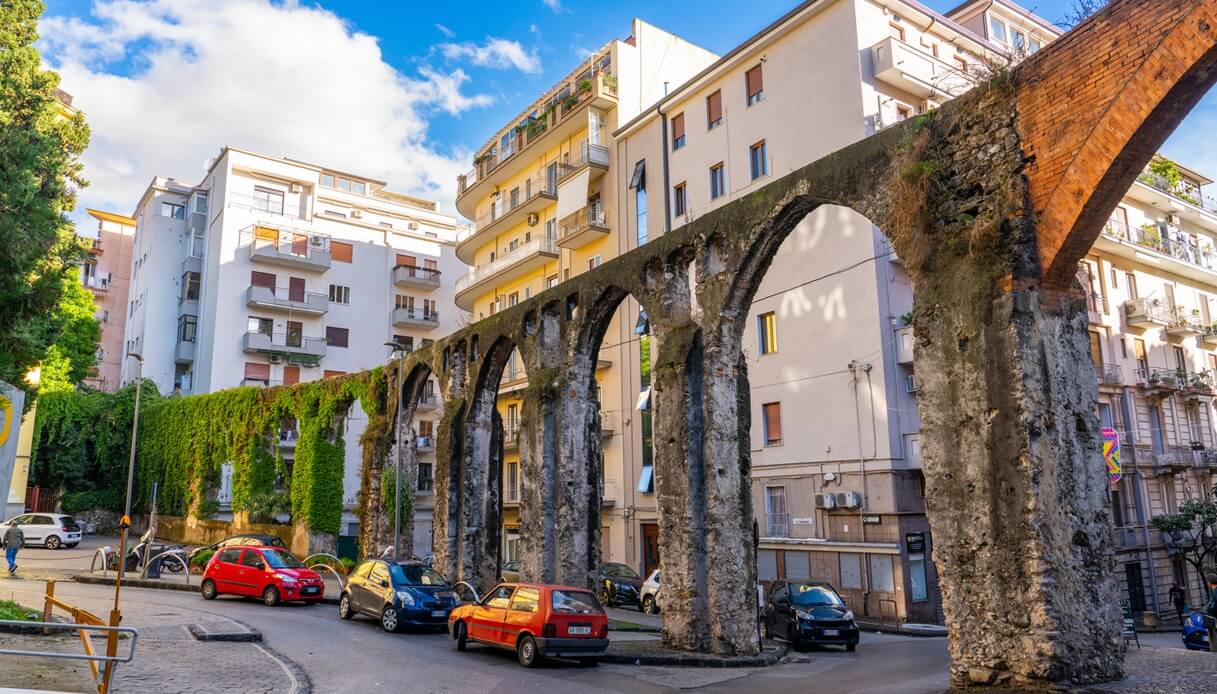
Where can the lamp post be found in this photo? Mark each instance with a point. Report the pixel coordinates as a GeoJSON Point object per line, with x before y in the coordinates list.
{"type": "Point", "coordinates": [400, 350]}
{"type": "Point", "coordinates": [126, 520]}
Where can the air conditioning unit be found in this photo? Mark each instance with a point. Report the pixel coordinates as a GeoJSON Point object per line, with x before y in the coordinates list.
{"type": "Point", "coordinates": [316, 241]}
{"type": "Point", "coordinates": [357, 214]}
{"type": "Point", "coordinates": [1174, 220]}
{"type": "Point", "coordinates": [533, 219]}
{"type": "Point", "coordinates": [276, 358]}
{"type": "Point", "coordinates": [910, 383]}
{"type": "Point", "coordinates": [297, 188]}
{"type": "Point", "coordinates": [848, 500]}
{"type": "Point", "coordinates": [412, 226]}
{"type": "Point", "coordinates": [826, 501]}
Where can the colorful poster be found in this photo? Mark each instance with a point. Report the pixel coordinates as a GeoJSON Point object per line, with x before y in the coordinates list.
{"type": "Point", "coordinates": [1111, 454]}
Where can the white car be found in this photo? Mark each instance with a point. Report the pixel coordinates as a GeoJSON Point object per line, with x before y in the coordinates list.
{"type": "Point", "coordinates": [51, 530]}
{"type": "Point", "coordinates": [649, 595]}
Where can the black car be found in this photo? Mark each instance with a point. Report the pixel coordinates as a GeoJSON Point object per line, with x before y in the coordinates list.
{"type": "Point", "coordinates": [245, 540]}
{"type": "Point", "coordinates": [398, 594]}
{"type": "Point", "coordinates": [618, 584]}
{"type": "Point", "coordinates": [809, 612]}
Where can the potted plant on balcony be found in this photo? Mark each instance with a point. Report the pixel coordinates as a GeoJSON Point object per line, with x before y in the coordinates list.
{"type": "Point", "coordinates": [585, 86]}
{"type": "Point", "coordinates": [1150, 236]}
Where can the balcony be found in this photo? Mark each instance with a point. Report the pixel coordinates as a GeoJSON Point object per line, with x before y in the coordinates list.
{"type": "Point", "coordinates": [1167, 242]}
{"type": "Point", "coordinates": [426, 486]}
{"type": "Point", "coordinates": [552, 118]}
{"type": "Point", "coordinates": [424, 444]}
{"type": "Point", "coordinates": [1109, 374]}
{"type": "Point", "coordinates": [582, 227]}
{"type": "Point", "coordinates": [1158, 379]}
{"type": "Point", "coordinates": [1196, 386]}
{"type": "Point", "coordinates": [777, 525]}
{"type": "Point", "coordinates": [411, 317]}
{"type": "Point", "coordinates": [920, 74]}
{"type": "Point", "coordinates": [183, 353]}
{"type": "Point", "coordinates": [283, 299]}
{"type": "Point", "coordinates": [1184, 323]}
{"type": "Point", "coordinates": [296, 348]}
{"type": "Point", "coordinates": [1174, 457]}
{"type": "Point", "coordinates": [1146, 313]}
{"type": "Point", "coordinates": [192, 263]}
{"type": "Point", "coordinates": [514, 377]}
{"type": "Point", "coordinates": [426, 403]}
{"type": "Point", "coordinates": [511, 438]}
{"type": "Point", "coordinates": [592, 158]}
{"type": "Point", "coordinates": [514, 264]}
{"type": "Point", "coordinates": [904, 345]}
{"type": "Point", "coordinates": [98, 283]}
{"type": "Point", "coordinates": [509, 209]}
{"type": "Point", "coordinates": [301, 250]}
{"type": "Point", "coordinates": [1183, 190]}
{"type": "Point", "coordinates": [187, 306]}
{"type": "Point", "coordinates": [414, 276]}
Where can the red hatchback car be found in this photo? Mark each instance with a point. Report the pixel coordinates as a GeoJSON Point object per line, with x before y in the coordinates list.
{"type": "Point", "coordinates": [535, 621]}
{"type": "Point", "coordinates": [269, 573]}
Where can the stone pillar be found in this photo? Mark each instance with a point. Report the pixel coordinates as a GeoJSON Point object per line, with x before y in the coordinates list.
{"type": "Point", "coordinates": [678, 434]}
{"type": "Point", "coordinates": [538, 482]}
{"type": "Point", "coordinates": [480, 475]}
{"type": "Point", "coordinates": [577, 441]}
{"type": "Point", "coordinates": [445, 522]}
{"type": "Point", "coordinates": [1016, 490]}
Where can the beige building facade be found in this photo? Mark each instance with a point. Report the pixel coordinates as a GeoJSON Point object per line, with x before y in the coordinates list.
{"type": "Point", "coordinates": [107, 273]}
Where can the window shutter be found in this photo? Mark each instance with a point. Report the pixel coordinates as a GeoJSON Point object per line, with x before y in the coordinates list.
{"type": "Point", "coordinates": [291, 375]}
{"type": "Point", "coordinates": [714, 107]}
{"type": "Point", "coordinates": [678, 127]}
{"type": "Point", "coordinates": [257, 372]}
{"type": "Point", "coordinates": [754, 81]}
{"type": "Point", "coordinates": [403, 259]}
{"type": "Point", "coordinates": [773, 421]}
{"type": "Point", "coordinates": [337, 336]}
{"type": "Point", "coordinates": [341, 251]}
{"type": "Point", "coordinates": [262, 279]}
{"type": "Point", "coordinates": [295, 289]}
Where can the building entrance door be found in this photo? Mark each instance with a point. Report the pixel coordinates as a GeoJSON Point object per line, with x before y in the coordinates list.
{"type": "Point", "coordinates": [650, 548]}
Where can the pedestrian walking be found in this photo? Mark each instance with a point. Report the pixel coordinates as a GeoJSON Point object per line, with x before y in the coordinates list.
{"type": "Point", "coordinates": [1178, 599]}
{"type": "Point", "coordinates": [13, 539]}
{"type": "Point", "coordinates": [1210, 613]}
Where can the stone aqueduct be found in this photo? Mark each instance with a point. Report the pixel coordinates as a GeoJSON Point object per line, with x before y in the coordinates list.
{"type": "Point", "coordinates": [991, 201]}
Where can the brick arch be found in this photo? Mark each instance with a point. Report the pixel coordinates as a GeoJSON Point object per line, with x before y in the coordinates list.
{"type": "Point", "coordinates": [1096, 107]}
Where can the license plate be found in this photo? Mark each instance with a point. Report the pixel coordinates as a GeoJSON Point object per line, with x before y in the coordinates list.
{"type": "Point", "coordinates": [578, 631]}
{"type": "Point", "coordinates": [438, 613]}
{"type": "Point", "coordinates": [310, 590]}
{"type": "Point", "coordinates": [832, 632]}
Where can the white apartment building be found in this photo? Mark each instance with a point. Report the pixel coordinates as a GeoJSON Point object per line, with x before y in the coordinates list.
{"type": "Point", "coordinates": [272, 271]}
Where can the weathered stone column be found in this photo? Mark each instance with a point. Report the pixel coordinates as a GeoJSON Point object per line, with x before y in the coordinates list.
{"type": "Point", "coordinates": [1016, 490]}
{"type": "Point", "coordinates": [538, 479]}
{"type": "Point", "coordinates": [480, 513]}
{"type": "Point", "coordinates": [446, 515]}
{"type": "Point", "coordinates": [680, 471]}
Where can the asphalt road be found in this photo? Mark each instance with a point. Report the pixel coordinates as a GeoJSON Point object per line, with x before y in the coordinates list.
{"type": "Point", "coordinates": [357, 656]}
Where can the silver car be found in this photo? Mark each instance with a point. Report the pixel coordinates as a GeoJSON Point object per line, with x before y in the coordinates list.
{"type": "Point", "coordinates": [51, 530]}
{"type": "Point", "coordinates": [649, 602]}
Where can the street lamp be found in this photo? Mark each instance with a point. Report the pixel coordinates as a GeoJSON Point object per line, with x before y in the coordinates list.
{"type": "Point", "coordinates": [400, 350]}
{"type": "Point", "coordinates": [126, 520]}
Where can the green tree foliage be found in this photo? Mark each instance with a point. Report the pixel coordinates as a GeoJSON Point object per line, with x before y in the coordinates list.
{"type": "Point", "coordinates": [73, 356]}
{"type": "Point", "coordinates": [1192, 531]}
{"type": "Point", "coordinates": [40, 147]}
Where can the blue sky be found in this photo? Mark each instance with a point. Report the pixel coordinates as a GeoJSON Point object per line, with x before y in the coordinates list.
{"type": "Point", "coordinates": [402, 90]}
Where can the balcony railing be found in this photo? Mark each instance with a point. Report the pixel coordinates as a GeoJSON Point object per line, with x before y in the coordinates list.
{"type": "Point", "coordinates": [1169, 242]}
{"type": "Point", "coordinates": [298, 348]}
{"type": "Point", "coordinates": [413, 275]}
{"type": "Point", "coordinates": [426, 484]}
{"type": "Point", "coordinates": [1146, 312]}
{"type": "Point", "coordinates": [282, 298]}
{"type": "Point", "coordinates": [287, 246]}
{"type": "Point", "coordinates": [1184, 191]}
{"type": "Point", "coordinates": [1159, 378]}
{"type": "Point", "coordinates": [411, 315]}
{"type": "Point", "coordinates": [494, 267]}
{"type": "Point", "coordinates": [1109, 374]}
{"type": "Point", "coordinates": [777, 524]}
{"type": "Point", "coordinates": [507, 203]}
{"type": "Point", "coordinates": [589, 218]}
{"type": "Point", "coordinates": [1184, 322]}
{"type": "Point", "coordinates": [1200, 383]}
{"type": "Point", "coordinates": [274, 207]}
{"type": "Point", "coordinates": [589, 155]}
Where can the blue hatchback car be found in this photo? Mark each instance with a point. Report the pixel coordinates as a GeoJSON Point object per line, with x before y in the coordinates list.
{"type": "Point", "coordinates": [399, 594]}
{"type": "Point", "coordinates": [1195, 636]}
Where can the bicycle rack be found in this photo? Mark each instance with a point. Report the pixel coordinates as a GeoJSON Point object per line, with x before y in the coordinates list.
{"type": "Point", "coordinates": [337, 576]}
{"type": "Point", "coordinates": [173, 553]}
{"type": "Point", "coordinates": [105, 560]}
{"type": "Point", "coordinates": [476, 597]}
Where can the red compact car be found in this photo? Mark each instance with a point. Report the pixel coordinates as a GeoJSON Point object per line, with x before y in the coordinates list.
{"type": "Point", "coordinates": [270, 573]}
{"type": "Point", "coordinates": [535, 621]}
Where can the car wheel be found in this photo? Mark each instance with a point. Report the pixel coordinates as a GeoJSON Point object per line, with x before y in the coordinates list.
{"type": "Point", "coordinates": [344, 607]}
{"type": "Point", "coordinates": [388, 619]}
{"type": "Point", "coordinates": [462, 636]}
{"type": "Point", "coordinates": [208, 590]}
{"type": "Point", "coordinates": [605, 599]}
{"type": "Point", "coordinates": [53, 542]}
{"type": "Point", "coordinates": [648, 605]}
{"type": "Point", "coordinates": [270, 596]}
{"type": "Point", "coordinates": [526, 652]}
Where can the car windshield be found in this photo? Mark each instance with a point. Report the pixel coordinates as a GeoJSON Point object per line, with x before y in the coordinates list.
{"type": "Point", "coordinates": [814, 596]}
{"type": "Point", "coordinates": [279, 559]}
{"type": "Point", "coordinates": [619, 570]}
{"type": "Point", "coordinates": [576, 602]}
{"type": "Point", "coordinates": [415, 575]}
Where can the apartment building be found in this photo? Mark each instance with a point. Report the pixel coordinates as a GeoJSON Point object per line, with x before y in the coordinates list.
{"type": "Point", "coordinates": [1151, 280]}
{"type": "Point", "coordinates": [107, 273]}
{"type": "Point", "coordinates": [272, 271]}
{"type": "Point", "coordinates": [540, 193]}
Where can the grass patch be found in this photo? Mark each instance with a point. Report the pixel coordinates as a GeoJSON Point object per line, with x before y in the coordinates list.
{"type": "Point", "coordinates": [618, 625]}
{"type": "Point", "coordinates": [12, 611]}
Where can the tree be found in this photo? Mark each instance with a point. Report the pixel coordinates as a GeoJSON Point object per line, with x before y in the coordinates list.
{"type": "Point", "coordinates": [1192, 531]}
{"type": "Point", "coordinates": [40, 170]}
{"type": "Point", "coordinates": [73, 356]}
{"type": "Point", "coordinates": [1080, 10]}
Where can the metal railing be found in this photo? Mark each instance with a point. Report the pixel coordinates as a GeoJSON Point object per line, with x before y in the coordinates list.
{"type": "Point", "coordinates": [1109, 374]}
{"type": "Point", "coordinates": [588, 154]}
{"type": "Point", "coordinates": [1159, 377]}
{"type": "Point", "coordinates": [1167, 240]}
{"type": "Point", "coordinates": [1184, 191]}
{"type": "Point", "coordinates": [249, 202]}
{"type": "Point", "coordinates": [589, 217]}
{"type": "Point", "coordinates": [1146, 309]}
{"type": "Point", "coordinates": [483, 272]}
{"type": "Point", "coordinates": [428, 274]}
{"type": "Point", "coordinates": [507, 203]}
{"type": "Point", "coordinates": [415, 313]}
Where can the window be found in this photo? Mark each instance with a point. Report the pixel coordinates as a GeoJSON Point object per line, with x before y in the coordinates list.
{"type": "Point", "coordinates": [766, 564]}
{"type": "Point", "coordinates": [593, 262]}
{"type": "Point", "coordinates": [190, 286]}
{"type": "Point", "coordinates": [997, 30]}
{"type": "Point", "coordinates": [499, 598]}
{"type": "Point", "coordinates": [917, 578]}
{"type": "Point", "coordinates": [295, 333]}
{"type": "Point", "coordinates": [1138, 348]}
{"type": "Point", "coordinates": [717, 181]}
{"type": "Point", "coordinates": [327, 180]}
{"type": "Point", "coordinates": [551, 281]}
{"type": "Point", "coordinates": [640, 209]}
{"type": "Point", "coordinates": [406, 302]}
{"type": "Point", "coordinates": [526, 600]}
{"type": "Point", "coordinates": [513, 481]}
{"type": "Point", "coordinates": [426, 480]}
{"type": "Point", "coordinates": [851, 570]}
{"type": "Point", "coordinates": [187, 328]}
{"type": "Point", "coordinates": [767, 332]}
{"type": "Point", "coordinates": [903, 113]}
{"type": "Point", "coordinates": [1019, 39]}
{"type": "Point", "coordinates": [340, 294]}
{"type": "Point", "coordinates": [961, 64]}
{"type": "Point", "coordinates": [758, 161]}
{"type": "Point", "coordinates": [680, 200]}
{"type": "Point", "coordinates": [896, 31]}
{"type": "Point", "coordinates": [341, 251]}
{"type": "Point", "coordinates": [255, 371]}
{"type": "Point", "coordinates": [268, 200]}
{"type": "Point", "coordinates": [714, 110]}
{"type": "Point", "coordinates": [1131, 280]}
{"type": "Point", "coordinates": [1033, 45]}
{"type": "Point", "coordinates": [776, 518]}
{"type": "Point", "coordinates": [1180, 360]}
{"type": "Point", "coordinates": [755, 85]}
{"type": "Point", "coordinates": [260, 325]}
{"type": "Point", "coordinates": [173, 210]}
{"type": "Point", "coordinates": [771, 418]}
{"type": "Point", "coordinates": [230, 556]}
{"type": "Point", "coordinates": [678, 131]}
{"type": "Point", "coordinates": [406, 342]}
{"type": "Point", "coordinates": [337, 337]}
{"type": "Point", "coordinates": [430, 309]}
{"type": "Point", "coordinates": [291, 375]}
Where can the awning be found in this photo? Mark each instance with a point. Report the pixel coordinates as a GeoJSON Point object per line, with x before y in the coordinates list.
{"type": "Point", "coordinates": [639, 179]}
{"type": "Point", "coordinates": [572, 194]}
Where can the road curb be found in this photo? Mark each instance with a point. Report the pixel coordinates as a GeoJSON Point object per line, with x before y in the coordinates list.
{"type": "Point", "coordinates": [201, 632]}
{"type": "Point", "coordinates": [136, 583]}
{"type": "Point", "coordinates": [773, 656]}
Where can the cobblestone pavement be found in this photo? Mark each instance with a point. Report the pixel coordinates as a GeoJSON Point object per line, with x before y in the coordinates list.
{"type": "Point", "coordinates": [1166, 671]}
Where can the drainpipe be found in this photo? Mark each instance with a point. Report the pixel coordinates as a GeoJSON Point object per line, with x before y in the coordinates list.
{"type": "Point", "coordinates": [854, 367]}
{"type": "Point", "coordinates": [667, 214]}
{"type": "Point", "coordinates": [1142, 492]}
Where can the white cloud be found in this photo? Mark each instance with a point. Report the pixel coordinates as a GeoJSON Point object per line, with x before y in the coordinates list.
{"type": "Point", "coordinates": [495, 53]}
{"type": "Point", "coordinates": [445, 30]}
{"type": "Point", "coordinates": [282, 79]}
{"type": "Point", "coordinates": [555, 5]}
